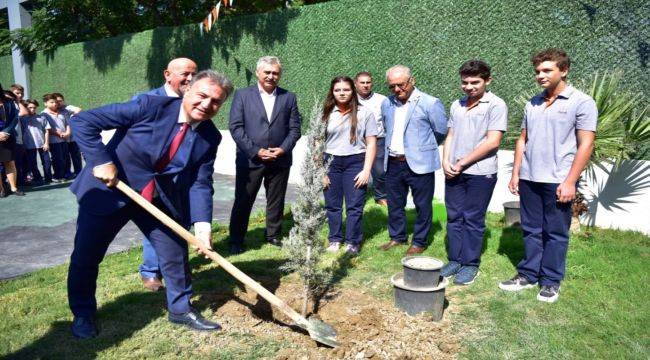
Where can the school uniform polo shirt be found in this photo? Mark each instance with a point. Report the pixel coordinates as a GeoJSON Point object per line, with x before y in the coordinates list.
{"type": "Point", "coordinates": [470, 128]}
{"type": "Point", "coordinates": [338, 132]}
{"type": "Point", "coordinates": [57, 122]}
{"type": "Point", "coordinates": [551, 142]}
{"type": "Point", "coordinates": [36, 127]}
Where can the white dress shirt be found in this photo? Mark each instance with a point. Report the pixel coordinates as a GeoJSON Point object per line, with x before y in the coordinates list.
{"type": "Point", "coordinates": [268, 100]}
{"type": "Point", "coordinates": [399, 125]}
{"type": "Point", "coordinates": [169, 91]}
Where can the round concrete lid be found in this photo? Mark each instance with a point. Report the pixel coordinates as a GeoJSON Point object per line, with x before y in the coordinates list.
{"type": "Point", "coordinates": [398, 281]}
{"type": "Point", "coordinates": [422, 263]}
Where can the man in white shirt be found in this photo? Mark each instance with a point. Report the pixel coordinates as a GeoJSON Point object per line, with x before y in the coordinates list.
{"type": "Point", "coordinates": [373, 101]}
{"type": "Point", "coordinates": [415, 124]}
{"type": "Point", "coordinates": [265, 124]}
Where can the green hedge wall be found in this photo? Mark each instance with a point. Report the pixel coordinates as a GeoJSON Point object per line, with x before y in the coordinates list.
{"type": "Point", "coordinates": [320, 41]}
{"type": "Point", "coordinates": [6, 72]}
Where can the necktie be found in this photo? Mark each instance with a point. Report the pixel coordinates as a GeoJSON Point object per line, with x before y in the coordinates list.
{"type": "Point", "coordinates": [161, 164]}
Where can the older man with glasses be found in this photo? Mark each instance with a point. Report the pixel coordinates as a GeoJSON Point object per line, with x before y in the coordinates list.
{"type": "Point", "coordinates": [415, 124]}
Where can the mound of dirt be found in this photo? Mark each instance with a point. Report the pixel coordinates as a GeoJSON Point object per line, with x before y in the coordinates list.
{"type": "Point", "coordinates": [368, 328]}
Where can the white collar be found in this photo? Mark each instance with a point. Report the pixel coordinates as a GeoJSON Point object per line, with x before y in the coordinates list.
{"type": "Point", "coordinates": [263, 92]}
{"type": "Point", "coordinates": [169, 91]}
{"type": "Point", "coordinates": [182, 118]}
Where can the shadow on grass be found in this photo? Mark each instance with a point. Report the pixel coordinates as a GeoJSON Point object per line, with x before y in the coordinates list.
{"type": "Point", "coordinates": [511, 244]}
{"type": "Point", "coordinates": [255, 237]}
{"type": "Point", "coordinates": [118, 320]}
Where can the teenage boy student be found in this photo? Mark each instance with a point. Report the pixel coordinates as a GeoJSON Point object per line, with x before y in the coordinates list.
{"type": "Point", "coordinates": [557, 138]}
{"type": "Point", "coordinates": [73, 156]}
{"type": "Point", "coordinates": [59, 133]}
{"type": "Point", "coordinates": [475, 128]}
{"type": "Point", "coordinates": [37, 142]}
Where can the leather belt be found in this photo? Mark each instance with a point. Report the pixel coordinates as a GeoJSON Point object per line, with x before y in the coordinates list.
{"type": "Point", "coordinates": [400, 158]}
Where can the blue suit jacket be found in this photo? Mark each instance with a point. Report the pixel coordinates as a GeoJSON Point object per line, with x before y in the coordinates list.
{"type": "Point", "coordinates": [252, 131]}
{"type": "Point", "coordinates": [145, 133]}
{"type": "Point", "coordinates": [155, 92]}
{"type": "Point", "coordinates": [426, 127]}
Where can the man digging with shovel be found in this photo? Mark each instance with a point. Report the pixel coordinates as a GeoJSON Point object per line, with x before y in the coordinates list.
{"type": "Point", "coordinates": [165, 149]}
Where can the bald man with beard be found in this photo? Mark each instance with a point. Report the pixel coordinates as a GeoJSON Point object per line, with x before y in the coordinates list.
{"type": "Point", "coordinates": [178, 74]}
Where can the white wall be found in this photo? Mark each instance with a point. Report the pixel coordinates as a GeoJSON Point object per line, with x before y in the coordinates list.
{"type": "Point", "coordinates": [619, 199]}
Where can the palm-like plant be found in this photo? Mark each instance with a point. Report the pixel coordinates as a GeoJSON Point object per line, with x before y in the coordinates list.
{"type": "Point", "coordinates": [622, 126]}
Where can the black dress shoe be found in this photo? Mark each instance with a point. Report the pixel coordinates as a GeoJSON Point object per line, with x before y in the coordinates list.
{"type": "Point", "coordinates": [236, 249]}
{"type": "Point", "coordinates": [84, 327]}
{"type": "Point", "coordinates": [194, 320]}
{"type": "Point", "coordinates": [275, 242]}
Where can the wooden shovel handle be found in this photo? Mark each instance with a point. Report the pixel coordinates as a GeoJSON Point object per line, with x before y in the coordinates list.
{"type": "Point", "coordinates": [225, 264]}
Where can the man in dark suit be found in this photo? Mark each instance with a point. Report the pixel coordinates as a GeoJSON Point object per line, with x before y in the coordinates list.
{"type": "Point", "coordinates": [178, 75]}
{"type": "Point", "coordinates": [265, 124]}
{"type": "Point", "coordinates": [164, 148]}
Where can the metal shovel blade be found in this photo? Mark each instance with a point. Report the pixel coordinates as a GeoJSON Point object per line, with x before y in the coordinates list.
{"type": "Point", "coordinates": [321, 332]}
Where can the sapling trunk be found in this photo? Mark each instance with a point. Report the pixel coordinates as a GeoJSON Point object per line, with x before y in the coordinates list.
{"type": "Point", "coordinates": [304, 246]}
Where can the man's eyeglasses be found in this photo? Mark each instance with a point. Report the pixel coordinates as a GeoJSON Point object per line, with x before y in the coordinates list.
{"type": "Point", "coordinates": [402, 86]}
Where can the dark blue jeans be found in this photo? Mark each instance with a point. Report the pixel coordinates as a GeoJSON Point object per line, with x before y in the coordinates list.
{"type": "Point", "coordinates": [59, 152]}
{"type": "Point", "coordinates": [545, 223]}
{"type": "Point", "coordinates": [341, 173]}
{"type": "Point", "coordinates": [33, 164]}
{"type": "Point", "coordinates": [399, 178]}
{"type": "Point", "coordinates": [467, 198]}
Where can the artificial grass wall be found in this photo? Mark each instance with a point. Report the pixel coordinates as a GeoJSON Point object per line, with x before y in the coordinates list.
{"type": "Point", "coordinates": [320, 41]}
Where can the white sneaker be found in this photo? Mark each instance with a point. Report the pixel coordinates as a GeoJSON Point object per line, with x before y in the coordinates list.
{"type": "Point", "coordinates": [517, 283]}
{"type": "Point", "coordinates": [334, 247]}
{"type": "Point", "coordinates": [352, 249]}
{"type": "Point", "coordinates": [549, 293]}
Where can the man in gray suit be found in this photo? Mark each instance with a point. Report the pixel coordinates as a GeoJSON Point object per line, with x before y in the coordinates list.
{"type": "Point", "coordinates": [265, 124]}
{"type": "Point", "coordinates": [178, 74]}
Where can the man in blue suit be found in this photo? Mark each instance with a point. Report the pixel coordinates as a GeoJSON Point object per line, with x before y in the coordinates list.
{"type": "Point", "coordinates": [415, 124]}
{"type": "Point", "coordinates": [178, 75]}
{"type": "Point", "coordinates": [164, 148]}
{"type": "Point", "coordinates": [265, 124]}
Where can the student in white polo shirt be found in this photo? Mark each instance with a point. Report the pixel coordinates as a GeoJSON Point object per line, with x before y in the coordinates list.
{"type": "Point", "coordinates": [556, 142]}
{"type": "Point", "coordinates": [476, 125]}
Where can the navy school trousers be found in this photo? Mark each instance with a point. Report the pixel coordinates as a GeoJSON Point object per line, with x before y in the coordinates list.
{"type": "Point", "coordinates": [545, 224]}
{"type": "Point", "coordinates": [341, 173]}
{"type": "Point", "coordinates": [466, 198]}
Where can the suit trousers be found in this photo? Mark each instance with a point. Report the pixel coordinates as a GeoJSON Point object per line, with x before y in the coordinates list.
{"type": "Point", "coordinates": [150, 268]}
{"type": "Point", "coordinates": [467, 198]}
{"type": "Point", "coordinates": [59, 152]}
{"type": "Point", "coordinates": [341, 173]}
{"type": "Point", "coordinates": [399, 178]}
{"type": "Point", "coordinates": [33, 164]}
{"type": "Point", "coordinates": [545, 224]}
{"type": "Point", "coordinates": [95, 233]}
{"type": "Point", "coordinates": [247, 184]}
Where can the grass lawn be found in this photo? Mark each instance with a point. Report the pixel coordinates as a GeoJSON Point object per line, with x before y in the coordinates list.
{"type": "Point", "coordinates": [603, 311]}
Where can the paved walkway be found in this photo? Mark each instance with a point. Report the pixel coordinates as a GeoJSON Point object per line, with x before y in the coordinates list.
{"type": "Point", "coordinates": [37, 230]}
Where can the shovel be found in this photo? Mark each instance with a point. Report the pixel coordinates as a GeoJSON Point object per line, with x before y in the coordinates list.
{"type": "Point", "coordinates": [318, 330]}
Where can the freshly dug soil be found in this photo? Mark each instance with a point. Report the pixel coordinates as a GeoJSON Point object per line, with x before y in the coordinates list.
{"type": "Point", "coordinates": [368, 328]}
